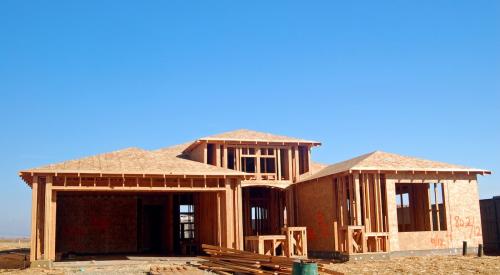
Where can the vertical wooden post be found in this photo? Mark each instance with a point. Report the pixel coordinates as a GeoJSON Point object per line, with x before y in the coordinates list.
{"type": "Point", "coordinates": [239, 216]}
{"type": "Point", "coordinates": [219, 223]}
{"type": "Point", "coordinates": [358, 199]}
{"type": "Point", "coordinates": [296, 162]}
{"type": "Point", "coordinates": [429, 210]}
{"type": "Point", "coordinates": [257, 160]}
{"type": "Point", "coordinates": [47, 219]}
{"type": "Point", "coordinates": [352, 216]}
{"type": "Point", "coordinates": [205, 153]}
{"type": "Point", "coordinates": [237, 161]}
{"type": "Point", "coordinates": [376, 197]}
{"type": "Point", "coordinates": [290, 164]}
{"type": "Point", "coordinates": [218, 155]}
{"type": "Point", "coordinates": [230, 222]}
{"type": "Point", "coordinates": [52, 254]}
{"type": "Point", "coordinates": [34, 215]}
{"type": "Point", "coordinates": [368, 215]}
{"type": "Point", "coordinates": [309, 158]}
{"type": "Point", "coordinates": [437, 207]}
{"type": "Point", "coordinates": [225, 160]}
{"type": "Point", "coordinates": [277, 153]}
{"type": "Point", "coordinates": [335, 236]}
{"type": "Point", "coordinates": [40, 218]}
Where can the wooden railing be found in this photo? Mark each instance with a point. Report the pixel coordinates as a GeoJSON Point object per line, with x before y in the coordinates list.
{"type": "Point", "coordinates": [293, 243]}
{"type": "Point", "coordinates": [354, 239]}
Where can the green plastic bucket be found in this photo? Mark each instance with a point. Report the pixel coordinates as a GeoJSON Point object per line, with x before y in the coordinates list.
{"type": "Point", "coordinates": [305, 268]}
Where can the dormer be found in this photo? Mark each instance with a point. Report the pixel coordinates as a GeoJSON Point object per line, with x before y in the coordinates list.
{"type": "Point", "coordinates": [266, 158]}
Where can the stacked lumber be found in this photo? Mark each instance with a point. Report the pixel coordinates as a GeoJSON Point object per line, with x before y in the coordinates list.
{"type": "Point", "coordinates": [226, 261]}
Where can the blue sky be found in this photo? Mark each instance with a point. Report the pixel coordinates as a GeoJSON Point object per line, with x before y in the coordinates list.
{"type": "Point", "coordinates": [78, 78]}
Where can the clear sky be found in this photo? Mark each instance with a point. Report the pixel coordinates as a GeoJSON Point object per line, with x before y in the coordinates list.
{"type": "Point", "coordinates": [77, 78]}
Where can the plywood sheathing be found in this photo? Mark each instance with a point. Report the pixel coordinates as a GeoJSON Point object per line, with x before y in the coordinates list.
{"type": "Point", "coordinates": [379, 161]}
{"type": "Point", "coordinates": [132, 161]}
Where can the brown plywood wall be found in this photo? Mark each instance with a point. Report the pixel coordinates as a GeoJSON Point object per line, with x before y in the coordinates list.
{"type": "Point", "coordinates": [96, 224]}
{"type": "Point", "coordinates": [316, 210]}
{"type": "Point", "coordinates": [206, 218]}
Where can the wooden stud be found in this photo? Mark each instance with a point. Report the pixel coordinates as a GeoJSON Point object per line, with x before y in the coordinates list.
{"type": "Point", "coordinates": [34, 215]}
{"type": "Point", "coordinates": [224, 158]}
{"type": "Point", "coordinates": [53, 217]}
{"type": "Point", "coordinates": [358, 198]}
{"type": "Point", "coordinates": [47, 221]}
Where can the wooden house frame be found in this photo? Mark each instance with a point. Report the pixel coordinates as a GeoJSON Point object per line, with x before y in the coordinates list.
{"type": "Point", "coordinates": [222, 189]}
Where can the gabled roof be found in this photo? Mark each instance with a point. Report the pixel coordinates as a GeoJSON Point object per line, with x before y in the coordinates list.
{"type": "Point", "coordinates": [382, 161]}
{"type": "Point", "coordinates": [244, 135]}
{"type": "Point", "coordinates": [136, 161]}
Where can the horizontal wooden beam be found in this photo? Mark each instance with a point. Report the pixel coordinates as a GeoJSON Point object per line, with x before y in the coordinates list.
{"type": "Point", "coordinates": [138, 189]}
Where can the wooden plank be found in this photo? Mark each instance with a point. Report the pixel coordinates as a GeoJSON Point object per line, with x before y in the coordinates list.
{"type": "Point", "coordinates": [290, 164]}
{"type": "Point", "coordinates": [352, 214]}
{"type": "Point", "coordinates": [257, 160]}
{"type": "Point", "coordinates": [358, 199]}
{"type": "Point", "coordinates": [34, 215]}
{"type": "Point", "coordinates": [239, 215]}
{"type": "Point", "coordinates": [277, 152]}
{"type": "Point", "coordinates": [53, 217]}
{"type": "Point", "coordinates": [205, 153]}
{"type": "Point", "coordinates": [335, 236]}
{"type": "Point", "coordinates": [47, 220]}
{"type": "Point", "coordinates": [429, 210]}
{"type": "Point", "coordinates": [368, 203]}
{"type": "Point", "coordinates": [297, 165]}
{"type": "Point", "coordinates": [219, 219]}
{"type": "Point", "coordinates": [224, 157]}
{"type": "Point", "coordinates": [230, 215]}
{"type": "Point", "coordinates": [135, 189]}
{"type": "Point", "coordinates": [218, 155]}
{"type": "Point", "coordinates": [376, 197]}
{"type": "Point", "coordinates": [437, 207]}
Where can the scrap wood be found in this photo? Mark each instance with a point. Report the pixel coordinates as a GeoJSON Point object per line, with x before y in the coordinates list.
{"type": "Point", "coordinates": [225, 261]}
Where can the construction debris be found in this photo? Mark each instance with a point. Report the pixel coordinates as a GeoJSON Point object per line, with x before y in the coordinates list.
{"type": "Point", "coordinates": [225, 261]}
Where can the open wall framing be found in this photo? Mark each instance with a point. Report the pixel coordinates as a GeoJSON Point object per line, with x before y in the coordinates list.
{"type": "Point", "coordinates": [119, 215]}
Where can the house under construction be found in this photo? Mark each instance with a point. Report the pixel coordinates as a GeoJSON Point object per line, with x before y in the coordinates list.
{"type": "Point", "coordinates": [235, 187]}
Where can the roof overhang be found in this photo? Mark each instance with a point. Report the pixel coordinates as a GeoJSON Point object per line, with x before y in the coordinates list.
{"type": "Point", "coordinates": [398, 171]}
{"type": "Point", "coordinates": [27, 176]}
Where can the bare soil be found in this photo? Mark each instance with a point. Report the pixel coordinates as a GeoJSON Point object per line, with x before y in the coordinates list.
{"type": "Point", "coordinates": [423, 265]}
{"type": "Point", "coordinates": [14, 252]}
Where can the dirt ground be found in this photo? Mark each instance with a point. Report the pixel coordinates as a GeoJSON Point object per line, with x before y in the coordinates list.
{"type": "Point", "coordinates": [423, 265]}
{"type": "Point", "coordinates": [14, 252]}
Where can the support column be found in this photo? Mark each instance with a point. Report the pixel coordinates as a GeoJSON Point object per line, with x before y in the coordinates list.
{"type": "Point", "coordinates": [47, 219]}
{"type": "Point", "coordinates": [277, 153]}
{"type": "Point", "coordinates": [258, 176]}
{"type": "Point", "coordinates": [219, 222]}
{"type": "Point", "coordinates": [239, 216]}
{"type": "Point", "coordinates": [229, 217]}
{"type": "Point", "coordinates": [218, 155]}
{"type": "Point", "coordinates": [34, 215]}
{"type": "Point", "coordinates": [53, 217]}
{"type": "Point", "coordinates": [225, 160]}
{"type": "Point", "coordinates": [358, 199]}
{"type": "Point", "coordinates": [297, 164]}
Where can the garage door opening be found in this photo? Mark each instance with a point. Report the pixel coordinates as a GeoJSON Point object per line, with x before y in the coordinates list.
{"type": "Point", "coordinates": [120, 224]}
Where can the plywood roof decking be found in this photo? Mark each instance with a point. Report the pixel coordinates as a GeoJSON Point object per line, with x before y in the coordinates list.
{"type": "Point", "coordinates": [382, 161]}
{"type": "Point", "coordinates": [136, 161]}
{"type": "Point", "coordinates": [244, 135]}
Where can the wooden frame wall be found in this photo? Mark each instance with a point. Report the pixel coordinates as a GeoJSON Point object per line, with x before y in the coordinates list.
{"type": "Point", "coordinates": [228, 202]}
{"type": "Point", "coordinates": [287, 163]}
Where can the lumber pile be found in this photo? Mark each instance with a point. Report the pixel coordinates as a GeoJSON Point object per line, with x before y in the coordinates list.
{"type": "Point", "coordinates": [226, 261]}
